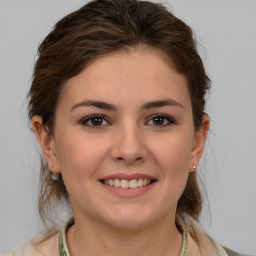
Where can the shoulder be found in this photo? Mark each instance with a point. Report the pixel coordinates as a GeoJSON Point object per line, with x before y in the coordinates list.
{"type": "Point", "coordinates": [50, 247]}
{"type": "Point", "coordinates": [10, 253]}
{"type": "Point", "coordinates": [233, 253]}
{"type": "Point", "coordinates": [204, 244]}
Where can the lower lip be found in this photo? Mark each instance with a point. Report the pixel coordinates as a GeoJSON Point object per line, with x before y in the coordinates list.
{"type": "Point", "coordinates": [129, 192]}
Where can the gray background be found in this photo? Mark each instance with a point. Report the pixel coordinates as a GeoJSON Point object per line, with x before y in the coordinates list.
{"type": "Point", "coordinates": [226, 31]}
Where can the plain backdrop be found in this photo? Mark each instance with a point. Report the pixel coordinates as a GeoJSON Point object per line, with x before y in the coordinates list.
{"type": "Point", "coordinates": [226, 31]}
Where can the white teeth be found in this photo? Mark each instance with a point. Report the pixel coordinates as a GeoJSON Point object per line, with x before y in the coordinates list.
{"type": "Point", "coordinates": [140, 183]}
{"type": "Point", "coordinates": [127, 184]}
{"type": "Point", "coordinates": [133, 184]}
{"type": "Point", "coordinates": [117, 183]}
{"type": "Point", "coordinates": [124, 183]}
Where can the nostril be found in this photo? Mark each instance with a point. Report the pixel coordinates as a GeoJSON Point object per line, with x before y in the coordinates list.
{"type": "Point", "coordinates": [130, 160]}
{"type": "Point", "coordinates": [128, 156]}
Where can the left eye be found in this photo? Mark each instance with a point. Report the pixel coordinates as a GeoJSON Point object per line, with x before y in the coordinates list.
{"type": "Point", "coordinates": [160, 120]}
{"type": "Point", "coordinates": [95, 121]}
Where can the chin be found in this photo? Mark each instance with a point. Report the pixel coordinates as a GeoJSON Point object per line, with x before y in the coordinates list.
{"type": "Point", "coordinates": [129, 225]}
{"type": "Point", "coordinates": [129, 220]}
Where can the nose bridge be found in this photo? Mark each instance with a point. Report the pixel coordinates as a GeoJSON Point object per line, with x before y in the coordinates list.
{"type": "Point", "coordinates": [129, 143]}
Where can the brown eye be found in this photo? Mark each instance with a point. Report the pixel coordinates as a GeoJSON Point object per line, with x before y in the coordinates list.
{"type": "Point", "coordinates": [94, 121]}
{"type": "Point", "coordinates": [161, 120]}
{"type": "Point", "coordinates": [158, 120]}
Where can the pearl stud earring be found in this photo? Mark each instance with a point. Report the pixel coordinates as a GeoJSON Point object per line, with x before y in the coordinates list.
{"type": "Point", "coordinates": [55, 176]}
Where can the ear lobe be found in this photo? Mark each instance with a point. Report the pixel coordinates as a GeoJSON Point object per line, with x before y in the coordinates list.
{"type": "Point", "coordinates": [47, 143]}
{"type": "Point", "coordinates": [199, 142]}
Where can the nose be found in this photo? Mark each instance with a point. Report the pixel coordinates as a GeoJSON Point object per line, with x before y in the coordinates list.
{"type": "Point", "coordinates": [129, 146]}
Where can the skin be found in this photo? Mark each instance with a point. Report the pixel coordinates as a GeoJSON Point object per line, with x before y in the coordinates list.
{"type": "Point", "coordinates": [127, 140]}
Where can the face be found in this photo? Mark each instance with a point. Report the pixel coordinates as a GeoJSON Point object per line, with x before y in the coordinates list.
{"type": "Point", "coordinates": [124, 139]}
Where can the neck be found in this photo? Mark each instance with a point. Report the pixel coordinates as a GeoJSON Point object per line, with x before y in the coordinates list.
{"type": "Point", "coordinates": [87, 238]}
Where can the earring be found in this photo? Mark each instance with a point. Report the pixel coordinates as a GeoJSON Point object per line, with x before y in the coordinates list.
{"type": "Point", "coordinates": [194, 167]}
{"type": "Point", "coordinates": [55, 176]}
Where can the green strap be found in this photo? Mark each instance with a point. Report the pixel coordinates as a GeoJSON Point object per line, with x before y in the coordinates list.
{"type": "Point", "coordinates": [62, 238]}
{"type": "Point", "coordinates": [61, 246]}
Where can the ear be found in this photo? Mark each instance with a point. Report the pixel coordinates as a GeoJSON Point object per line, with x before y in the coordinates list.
{"type": "Point", "coordinates": [47, 143]}
{"type": "Point", "coordinates": [199, 142]}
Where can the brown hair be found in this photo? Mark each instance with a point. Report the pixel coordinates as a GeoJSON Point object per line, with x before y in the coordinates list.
{"type": "Point", "coordinates": [99, 28]}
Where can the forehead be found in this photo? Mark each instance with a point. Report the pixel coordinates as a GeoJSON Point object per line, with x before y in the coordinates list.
{"type": "Point", "coordinates": [129, 77]}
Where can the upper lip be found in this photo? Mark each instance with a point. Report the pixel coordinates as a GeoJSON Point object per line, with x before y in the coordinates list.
{"type": "Point", "coordinates": [123, 176]}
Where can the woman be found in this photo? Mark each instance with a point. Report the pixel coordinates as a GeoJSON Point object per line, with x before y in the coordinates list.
{"type": "Point", "coordinates": [117, 106]}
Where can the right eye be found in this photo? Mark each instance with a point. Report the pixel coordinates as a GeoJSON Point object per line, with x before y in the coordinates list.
{"type": "Point", "coordinates": [161, 120]}
{"type": "Point", "coordinates": [95, 121]}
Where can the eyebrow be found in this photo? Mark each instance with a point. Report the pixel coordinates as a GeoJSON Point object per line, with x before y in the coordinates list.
{"type": "Point", "coordinates": [161, 103]}
{"type": "Point", "coordinates": [93, 103]}
{"type": "Point", "coordinates": [107, 106]}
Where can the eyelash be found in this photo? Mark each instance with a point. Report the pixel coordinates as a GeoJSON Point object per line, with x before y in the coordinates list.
{"type": "Point", "coordinates": [170, 120]}
{"type": "Point", "coordinates": [88, 119]}
{"type": "Point", "coordinates": [85, 121]}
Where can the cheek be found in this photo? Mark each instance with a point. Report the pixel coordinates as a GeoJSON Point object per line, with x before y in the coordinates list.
{"type": "Point", "coordinates": [80, 155]}
{"type": "Point", "coordinates": [172, 155]}
{"type": "Point", "coordinates": [173, 151]}
{"type": "Point", "coordinates": [79, 158]}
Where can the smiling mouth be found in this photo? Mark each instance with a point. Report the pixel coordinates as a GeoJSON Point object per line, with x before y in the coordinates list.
{"type": "Point", "coordinates": [123, 183]}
